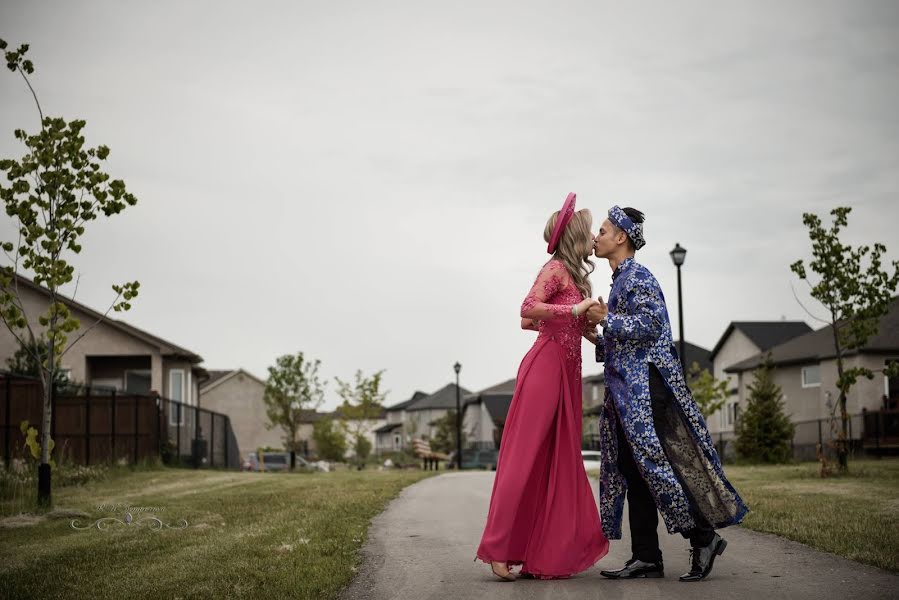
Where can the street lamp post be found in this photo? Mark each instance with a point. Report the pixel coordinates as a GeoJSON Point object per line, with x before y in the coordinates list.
{"type": "Point", "coordinates": [457, 367]}
{"type": "Point", "coordinates": [677, 257]}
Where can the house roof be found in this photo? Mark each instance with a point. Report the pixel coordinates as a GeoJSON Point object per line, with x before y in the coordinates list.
{"type": "Point", "coordinates": [388, 428]}
{"type": "Point", "coordinates": [818, 345]}
{"type": "Point", "coordinates": [697, 354]}
{"type": "Point", "coordinates": [338, 414]}
{"type": "Point", "coordinates": [503, 388]}
{"type": "Point", "coordinates": [215, 375]}
{"type": "Point", "coordinates": [445, 397]}
{"type": "Point", "coordinates": [764, 334]}
{"type": "Point", "coordinates": [166, 348]}
{"type": "Point", "coordinates": [406, 403]}
{"type": "Point", "coordinates": [311, 416]}
{"type": "Point", "coordinates": [218, 377]}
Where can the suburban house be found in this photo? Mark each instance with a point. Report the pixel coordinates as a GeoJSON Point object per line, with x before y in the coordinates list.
{"type": "Point", "coordinates": [239, 394]}
{"type": "Point", "coordinates": [391, 437]}
{"type": "Point", "coordinates": [114, 354]}
{"type": "Point", "coordinates": [740, 341]}
{"type": "Point", "coordinates": [422, 414]}
{"type": "Point", "coordinates": [806, 371]}
{"type": "Point", "coordinates": [366, 427]}
{"type": "Point", "coordinates": [484, 415]}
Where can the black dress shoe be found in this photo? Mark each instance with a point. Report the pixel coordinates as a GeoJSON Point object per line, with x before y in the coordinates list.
{"type": "Point", "coordinates": [636, 569]}
{"type": "Point", "coordinates": [702, 559]}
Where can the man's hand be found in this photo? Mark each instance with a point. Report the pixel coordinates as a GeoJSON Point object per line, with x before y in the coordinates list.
{"type": "Point", "coordinates": [597, 312]}
{"type": "Point", "coordinates": [591, 334]}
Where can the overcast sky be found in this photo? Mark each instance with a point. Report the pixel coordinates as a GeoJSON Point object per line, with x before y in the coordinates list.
{"type": "Point", "coordinates": [368, 182]}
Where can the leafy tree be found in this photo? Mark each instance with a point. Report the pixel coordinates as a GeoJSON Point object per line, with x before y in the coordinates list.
{"type": "Point", "coordinates": [855, 297]}
{"type": "Point", "coordinates": [28, 361]}
{"type": "Point", "coordinates": [292, 389]}
{"type": "Point", "coordinates": [444, 439]}
{"type": "Point", "coordinates": [709, 393]}
{"type": "Point", "coordinates": [52, 192]}
{"type": "Point", "coordinates": [329, 439]}
{"type": "Point", "coordinates": [764, 432]}
{"type": "Point", "coordinates": [363, 402]}
{"type": "Point", "coordinates": [362, 449]}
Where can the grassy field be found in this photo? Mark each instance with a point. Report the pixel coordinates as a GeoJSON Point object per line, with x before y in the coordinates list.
{"type": "Point", "coordinates": [248, 535]}
{"type": "Point", "coordinates": [856, 515]}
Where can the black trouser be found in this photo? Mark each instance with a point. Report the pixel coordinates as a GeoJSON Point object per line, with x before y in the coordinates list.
{"type": "Point", "coordinates": [643, 515]}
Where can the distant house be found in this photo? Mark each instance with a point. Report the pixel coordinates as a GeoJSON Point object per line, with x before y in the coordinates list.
{"type": "Point", "coordinates": [239, 394]}
{"type": "Point", "coordinates": [740, 341]}
{"type": "Point", "coordinates": [114, 354]}
{"type": "Point", "coordinates": [391, 437]}
{"type": "Point", "coordinates": [594, 389]}
{"type": "Point", "coordinates": [484, 415]}
{"type": "Point", "coordinates": [806, 371]}
{"type": "Point", "coordinates": [367, 427]}
{"type": "Point", "coordinates": [422, 414]}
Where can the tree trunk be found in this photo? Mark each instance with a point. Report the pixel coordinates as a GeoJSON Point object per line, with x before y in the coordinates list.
{"type": "Point", "coordinates": [43, 470]}
{"type": "Point", "coordinates": [843, 435]}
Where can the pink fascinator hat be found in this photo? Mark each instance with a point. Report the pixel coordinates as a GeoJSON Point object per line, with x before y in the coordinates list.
{"type": "Point", "coordinates": [564, 217]}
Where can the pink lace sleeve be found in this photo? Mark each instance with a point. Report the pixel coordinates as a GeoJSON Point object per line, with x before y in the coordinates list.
{"type": "Point", "coordinates": [552, 278]}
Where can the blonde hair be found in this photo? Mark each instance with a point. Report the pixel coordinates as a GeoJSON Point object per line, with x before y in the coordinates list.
{"type": "Point", "coordinates": [574, 248]}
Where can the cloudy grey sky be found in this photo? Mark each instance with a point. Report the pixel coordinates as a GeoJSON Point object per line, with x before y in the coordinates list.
{"type": "Point", "coordinates": [368, 182]}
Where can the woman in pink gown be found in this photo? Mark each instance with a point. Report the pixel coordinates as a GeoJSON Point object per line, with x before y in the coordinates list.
{"type": "Point", "coordinates": [542, 512]}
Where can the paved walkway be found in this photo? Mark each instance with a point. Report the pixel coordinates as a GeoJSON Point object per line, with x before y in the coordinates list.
{"type": "Point", "coordinates": [422, 547]}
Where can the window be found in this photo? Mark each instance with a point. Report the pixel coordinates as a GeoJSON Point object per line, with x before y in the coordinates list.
{"type": "Point", "coordinates": [733, 412]}
{"type": "Point", "coordinates": [595, 392]}
{"type": "Point", "coordinates": [137, 382]}
{"type": "Point", "coordinates": [811, 376]}
{"type": "Point", "coordinates": [176, 385]}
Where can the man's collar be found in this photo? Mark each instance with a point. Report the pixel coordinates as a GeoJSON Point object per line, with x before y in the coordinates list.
{"type": "Point", "coordinates": [621, 266]}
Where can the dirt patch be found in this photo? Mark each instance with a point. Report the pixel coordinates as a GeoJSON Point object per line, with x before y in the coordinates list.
{"type": "Point", "coordinates": [20, 521]}
{"type": "Point", "coordinates": [67, 513]}
{"type": "Point", "coordinates": [193, 484]}
{"type": "Point", "coordinates": [814, 487]}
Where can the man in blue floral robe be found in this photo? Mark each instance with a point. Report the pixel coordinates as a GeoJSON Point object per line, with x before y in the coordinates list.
{"type": "Point", "coordinates": [654, 441]}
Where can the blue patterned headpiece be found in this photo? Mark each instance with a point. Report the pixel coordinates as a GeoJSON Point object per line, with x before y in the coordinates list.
{"type": "Point", "coordinates": [633, 230]}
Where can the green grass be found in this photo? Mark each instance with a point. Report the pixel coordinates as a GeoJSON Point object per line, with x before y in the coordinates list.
{"type": "Point", "coordinates": [854, 515]}
{"type": "Point", "coordinates": [249, 535]}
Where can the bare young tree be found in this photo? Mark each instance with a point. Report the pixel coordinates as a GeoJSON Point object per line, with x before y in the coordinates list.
{"type": "Point", "coordinates": [51, 193]}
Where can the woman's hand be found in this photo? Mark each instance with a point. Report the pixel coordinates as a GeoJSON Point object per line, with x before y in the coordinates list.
{"type": "Point", "coordinates": [591, 334]}
{"type": "Point", "coordinates": [532, 324]}
{"type": "Point", "coordinates": [584, 305]}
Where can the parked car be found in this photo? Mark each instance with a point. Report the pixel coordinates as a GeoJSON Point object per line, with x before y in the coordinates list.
{"type": "Point", "coordinates": [592, 459]}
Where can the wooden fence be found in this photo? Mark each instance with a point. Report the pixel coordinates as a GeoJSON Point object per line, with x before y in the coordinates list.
{"type": "Point", "coordinates": [97, 425]}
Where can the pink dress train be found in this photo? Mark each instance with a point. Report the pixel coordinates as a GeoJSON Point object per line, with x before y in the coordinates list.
{"type": "Point", "coordinates": [542, 512]}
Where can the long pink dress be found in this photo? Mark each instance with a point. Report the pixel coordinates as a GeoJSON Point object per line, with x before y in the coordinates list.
{"type": "Point", "coordinates": [542, 512]}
